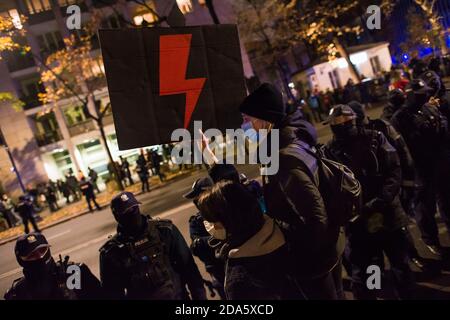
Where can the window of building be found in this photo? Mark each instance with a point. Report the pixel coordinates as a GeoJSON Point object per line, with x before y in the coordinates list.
{"type": "Point", "coordinates": [63, 3]}
{"type": "Point", "coordinates": [94, 156]}
{"type": "Point", "coordinates": [31, 87]}
{"type": "Point", "coordinates": [334, 78]}
{"type": "Point", "coordinates": [74, 115]}
{"type": "Point", "coordinates": [45, 128]}
{"type": "Point", "coordinates": [376, 65]}
{"type": "Point", "coordinates": [63, 162]}
{"type": "Point", "coordinates": [17, 60]}
{"type": "Point", "coordinates": [36, 6]}
{"type": "Point", "coordinates": [50, 42]}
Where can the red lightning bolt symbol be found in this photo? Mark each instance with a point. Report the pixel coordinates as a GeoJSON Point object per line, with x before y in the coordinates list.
{"type": "Point", "coordinates": [173, 60]}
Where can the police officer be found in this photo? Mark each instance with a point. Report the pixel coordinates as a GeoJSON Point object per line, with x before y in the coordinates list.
{"type": "Point", "coordinates": [142, 171]}
{"type": "Point", "coordinates": [410, 184]}
{"type": "Point", "coordinates": [424, 129]}
{"type": "Point", "coordinates": [87, 189]}
{"type": "Point", "coordinates": [125, 166]}
{"type": "Point", "coordinates": [396, 100]}
{"type": "Point", "coordinates": [440, 100]}
{"type": "Point", "coordinates": [93, 175]}
{"type": "Point", "coordinates": [200, 246]}
{"type": "Point", "coordinates": [147, 259]}
{"type": "Point", "coordinates": [46, 279]}
{"type": "Point", "coordinates": [26, 210]}
{"type": "Point", "coordinates": [381, 224]}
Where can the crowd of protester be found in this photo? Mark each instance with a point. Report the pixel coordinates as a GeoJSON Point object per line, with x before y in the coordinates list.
{"type": "Point", "coordinates": [316, 104]}
{"type": "Point", "coordinates": [56, 194]}
{"type": "Point", "coordinates": [348, 204]}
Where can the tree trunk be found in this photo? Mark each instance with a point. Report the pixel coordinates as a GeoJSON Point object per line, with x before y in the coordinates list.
{"type": "Point", "coordinates": [443, 42]}
{"type": "Point", "coordinates": [433, 17]}
{"type": "Point", "coordinates": [344, 54]}
{"type": "Point", "coordinates": [284, 82]}
{"type": "Point", "coordinates": [111, 160]}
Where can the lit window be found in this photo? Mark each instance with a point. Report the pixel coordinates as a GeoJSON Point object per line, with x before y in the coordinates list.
{"type": "Point", "coordinates": [358, 58]}
{"type": "Point", "coordinates": [36, 6]}
{"type": "Point", "coordinates": [63, 3]}
{"type": "Point", "coordinates": [15, 18]}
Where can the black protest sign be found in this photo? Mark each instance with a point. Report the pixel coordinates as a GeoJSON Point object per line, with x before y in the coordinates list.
{"type": "Point", "coordinates": [161, 79]}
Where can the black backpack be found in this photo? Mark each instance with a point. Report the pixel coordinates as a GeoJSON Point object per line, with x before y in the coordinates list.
{"type": "Point", "coordinates": [338, 186]}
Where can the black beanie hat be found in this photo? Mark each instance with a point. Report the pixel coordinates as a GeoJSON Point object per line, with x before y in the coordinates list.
{"type": "Point", "coordinates": [264, 103]}
{"type": "Point", "coordinates": [219, 172]}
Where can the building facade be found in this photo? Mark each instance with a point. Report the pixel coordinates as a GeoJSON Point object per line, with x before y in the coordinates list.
{"type": "Point", "coordinates": [45, 141]}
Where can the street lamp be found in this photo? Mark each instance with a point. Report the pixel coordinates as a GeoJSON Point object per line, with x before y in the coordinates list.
{"type": "Point", "coordinates": [5, 145]}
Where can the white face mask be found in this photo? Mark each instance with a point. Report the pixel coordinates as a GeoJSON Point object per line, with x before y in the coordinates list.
{"type": "Point", "coordinates": [219, 234]}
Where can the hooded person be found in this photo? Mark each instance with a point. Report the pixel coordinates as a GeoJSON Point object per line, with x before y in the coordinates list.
{"type": "Point", "coordinates": [46, 279]}
{"type": "Point", "coordinates": [292, 195]}
{"type": "Point", "coordinates": [258, 264]}
{"type": "Point", "coordinates": [147, 259]}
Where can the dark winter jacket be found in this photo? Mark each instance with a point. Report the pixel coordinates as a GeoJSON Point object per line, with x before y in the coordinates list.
{"type": "Point", "coordinates": [122, 256]}
{"type": "Point", "coordinates": [425, 130]}
{"type": "Point", "coordinates": [201, 248]}
{"type": "Point", "coordinates": [25, 209]}
{"type": "Point", "coordinates": [87, 189]}
{"type": "Point", "coordinates": [376, 165]}
{"type": "Point", "coordinates": [397, 141]}
{"type": "Point", "coordinates": [293, 197]}
{"type": "Point", "coordinates": [55, 287]}
{"type": "Point", "coordinates": [259, 268]}
{"type": "Point", "coordinates": [388, 112]}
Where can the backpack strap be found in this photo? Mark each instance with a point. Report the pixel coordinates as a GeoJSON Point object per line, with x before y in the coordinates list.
{"type": "Point", "coordinates": [309, 158]}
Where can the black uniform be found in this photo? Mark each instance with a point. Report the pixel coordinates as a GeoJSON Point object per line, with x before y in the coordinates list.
{"type": "Point", "coordinates": [74, 188]}
{"type": "Point", "coordinates": [157, 265]}
{"type": "Point", "coordinates": [409, 179]}
{"type": "Point", "coordinates": [441, 101]}
{"type": "Point", "coordinates": [125, 166]}
{"type": "Point", "coordinates": [142, 171]}
{"type": "Point", "coordinates": [45, 279]}
{"type": "Point", "coordinates": [87, 189]}
{"type": "Point", "coordinates": [50, 195]}
{"type": "Point", "coordinates": [155, 160]}
{"type": "Point", "coordinates": [26, 211]}
{"type": "Point", "coordinates": [54, 286]}
{"type": "Point", "coordinates": [200, 248]}
{"type": "Point", "coordinates": [424, 129]}
{"type": "Point", "coordinates": [381, 225]}
{"type": "Point", "coordinates": [94, 177]}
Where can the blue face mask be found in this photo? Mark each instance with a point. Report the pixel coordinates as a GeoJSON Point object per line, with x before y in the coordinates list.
{"type": "Point", "coordinates": [249, 132]}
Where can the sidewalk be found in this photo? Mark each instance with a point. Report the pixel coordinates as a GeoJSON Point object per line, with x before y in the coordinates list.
{"type": "Point", "coordinates": [80, 208]}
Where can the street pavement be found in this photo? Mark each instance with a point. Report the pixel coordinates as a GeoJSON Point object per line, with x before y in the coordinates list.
{"type": "Point", "coordinates": [82, 237]}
